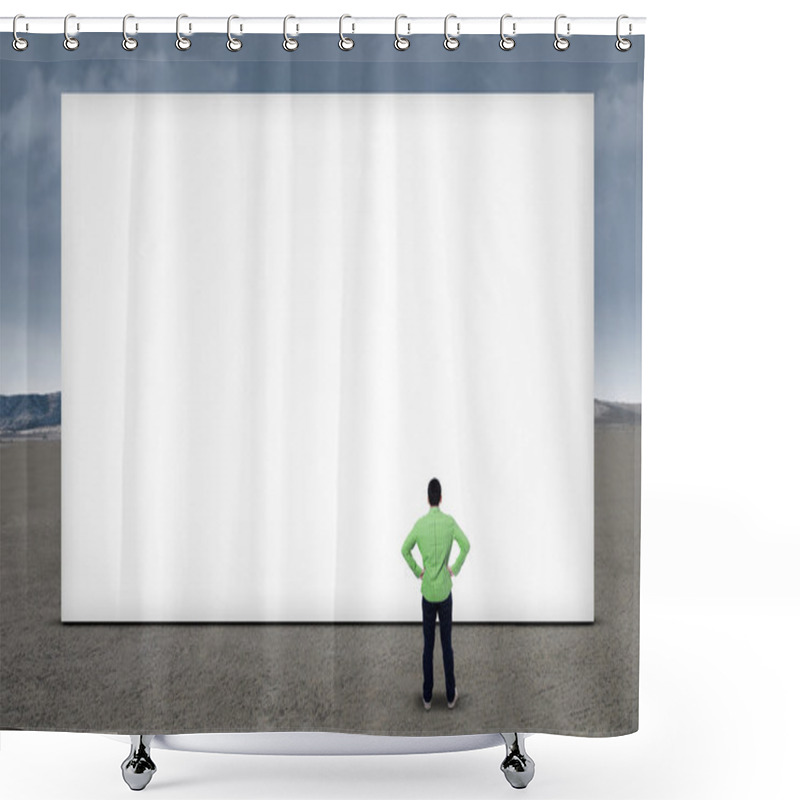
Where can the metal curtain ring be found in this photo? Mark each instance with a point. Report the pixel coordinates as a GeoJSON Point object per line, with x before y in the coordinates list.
{"type": "Point", "coordinates": [290, 44]}
{"type": "Point", "coordinates": [451, 42]}
{"type": "Point", "coordinates": [128, 42]}
{"type": "Point", "coordinates": [18, 43]}
{"type": "Point", "coordinates": [623, 45]}
{"type": "Point", "coordinates": [70, 42]}
{"type": "Point", "coordinates": [344, 42]}
{"type": "Point", "coordinates": [400, 42]}
{"type": "Point", "coordinates": [181, 42]}
{"type": "Point", "coordinates": [507, 42]}
{"type": "Point", "coordinates": [560, 43]}
{"type": "Point", "coordinates": [233, 44]}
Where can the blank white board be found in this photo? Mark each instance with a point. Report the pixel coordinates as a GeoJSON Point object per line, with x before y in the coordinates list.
{"type": "Point", "coordinates": [283, 314]}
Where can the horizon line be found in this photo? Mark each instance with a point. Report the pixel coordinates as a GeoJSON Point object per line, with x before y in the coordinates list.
{"type": "Point", "coordinates": [58, 391]}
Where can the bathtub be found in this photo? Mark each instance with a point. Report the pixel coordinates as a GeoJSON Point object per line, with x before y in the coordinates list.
{"type": "Point", "coordinates": [138, 768]}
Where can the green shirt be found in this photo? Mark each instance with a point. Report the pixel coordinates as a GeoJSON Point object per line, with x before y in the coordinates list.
{"type": "Point", "coordinates": [433, 534]}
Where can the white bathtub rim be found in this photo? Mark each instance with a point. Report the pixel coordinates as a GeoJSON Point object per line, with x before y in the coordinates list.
{"type": "Point", "coordinates": [319, 743]}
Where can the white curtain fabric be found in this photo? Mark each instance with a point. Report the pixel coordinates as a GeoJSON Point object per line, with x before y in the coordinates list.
{"type": "Point", "coordinates": [283, 314]}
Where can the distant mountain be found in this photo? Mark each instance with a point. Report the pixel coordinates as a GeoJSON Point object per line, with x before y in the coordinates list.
{"type": "Point", "coordinates": [610, 413]}
{"type": "Point", "coordinates": [27, 412]}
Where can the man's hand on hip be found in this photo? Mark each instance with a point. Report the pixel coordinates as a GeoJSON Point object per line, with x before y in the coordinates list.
{"type": "Point", "coordinates": [450, 571]}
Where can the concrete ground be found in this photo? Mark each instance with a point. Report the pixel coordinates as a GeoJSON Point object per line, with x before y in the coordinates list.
{"type": "Point", "coordinates": [573, 679]}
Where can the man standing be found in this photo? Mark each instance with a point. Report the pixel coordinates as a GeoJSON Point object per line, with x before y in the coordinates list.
{"type": "Point", "coordinates": [433, 534]}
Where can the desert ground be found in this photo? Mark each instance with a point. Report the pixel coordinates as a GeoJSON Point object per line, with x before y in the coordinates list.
{"type": "Point", "coordinates": [142, 678]}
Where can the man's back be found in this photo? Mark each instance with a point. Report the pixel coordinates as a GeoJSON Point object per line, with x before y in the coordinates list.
{"type": "Point", "coordinates": [434, 534]}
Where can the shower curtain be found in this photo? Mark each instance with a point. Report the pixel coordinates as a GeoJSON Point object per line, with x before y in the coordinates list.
{"type": "Point", "coordinates": [304, 348]}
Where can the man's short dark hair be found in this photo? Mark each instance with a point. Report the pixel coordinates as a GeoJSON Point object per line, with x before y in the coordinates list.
{"type": "Point", "coordinates": [434, 492]}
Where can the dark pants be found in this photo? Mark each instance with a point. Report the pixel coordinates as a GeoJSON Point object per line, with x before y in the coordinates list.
{"type": "Point", "coordinates": [445, 612]}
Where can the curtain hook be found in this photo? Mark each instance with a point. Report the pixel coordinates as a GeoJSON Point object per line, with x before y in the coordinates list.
{"type": "Point", "coordinates": [560, 43]}
{"type": "Point", "coordinates": [181, 42]}
{"type": "Point", "coordinates": [400, 42]}
{"type": "Point", "coordinates": [128, 42]}
{"type": "Point", "coordinates": [290, 44]}
{"type": "Point", "coordinates": [233, 44]}
{"type": "Point", "coordinates": [70, 42]}
{"type": "Point", "coordinates": [506, 42]}
{"type": "Point", "coordinates": [344, 42]}
{"type": "Point", "coordinates": [451, 42]}
{"type": "Point", "coordinates": [18, 43]}
{"type": "Point", "coordinates": [623, 45]}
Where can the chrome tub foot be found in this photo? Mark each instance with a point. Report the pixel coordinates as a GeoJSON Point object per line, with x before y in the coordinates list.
{"type": "Point", "coordinates": [517, 766]}
{"type": "Point", "coordinates": [138, 768]}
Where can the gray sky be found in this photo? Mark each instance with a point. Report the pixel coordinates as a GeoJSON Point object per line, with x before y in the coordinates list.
{"type": "Point", "coordinates": [30, 88]}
